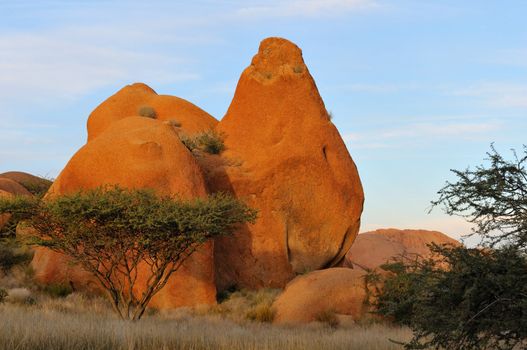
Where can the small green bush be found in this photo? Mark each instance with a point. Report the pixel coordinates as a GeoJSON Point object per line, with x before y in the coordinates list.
{"type": "Point", "coordinates": [209, 141]}
{"type": "Point", "coordinates": [147, 112]}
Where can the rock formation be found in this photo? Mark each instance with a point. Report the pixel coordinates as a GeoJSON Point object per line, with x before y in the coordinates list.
{"type": "Point", "coordinates": [284, 157]}
{"type": "Point", "coordinates": [137, 152]}
{"type": "Point", "coordinates": [336, 290]}
{"type": "Point", "coordinates": [129, 101]}
{"type": "Point", "coordinates": [372, 249]}
{"type": "Point", "coordinates": [13, 187]}
{"type": "Point", "coordinates": [32, 183]}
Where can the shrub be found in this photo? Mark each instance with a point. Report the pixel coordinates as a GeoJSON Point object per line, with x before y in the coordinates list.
{"type": "Point", "coordinates": [3, 295]}
{"type": "Point", "coordinates": [328, 317]}
{"type": "Point", "coordinates": [208, 141]}
{"type": "Point", "coordinates": [110, 231]}
{"type": "Point", "coordinates": [57, 290]}
{"type": "Point", "coordinates": [38, 188]}
{"type": "Point", "coordinates": [147, 112]}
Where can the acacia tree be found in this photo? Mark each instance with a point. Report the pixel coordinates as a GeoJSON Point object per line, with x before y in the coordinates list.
{"type": "Point", "coordinates": [109, 232]}
{"type": "Point", "coordinates": [494, 197]}
{"type": "Point", "coordinates": [479, 301]}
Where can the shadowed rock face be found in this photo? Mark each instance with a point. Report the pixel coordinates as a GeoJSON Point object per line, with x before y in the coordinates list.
{"type": "Point", "coordinates": [128, 102]}
{"type": "Point", "coordinates": [284, 157]}
{"type": "Point", "coordinates": [338, 290]}
{"type": "Point", "coordinates": [137, 152]}
{"type": "Point", "coordinates": [372, 249]}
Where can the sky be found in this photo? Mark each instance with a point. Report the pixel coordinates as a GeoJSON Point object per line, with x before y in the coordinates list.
{"type": "Point", "coordinates": [416, 88]}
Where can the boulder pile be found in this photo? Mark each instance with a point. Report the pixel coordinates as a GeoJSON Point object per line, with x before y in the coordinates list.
{"type": "Point", "coordinates": [282, 155]}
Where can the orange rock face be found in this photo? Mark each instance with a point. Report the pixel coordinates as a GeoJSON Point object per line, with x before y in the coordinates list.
{"type": "Point", "coordinates": [372, 249]}
{"type": "Point", "coordinates": [284, 157]}
{"type": "Point", "coordinates": [128, 102]}
{"type": "Point", "coordinates": [137, 152]}
{"type": "Point", "coordinates": [339, 290]}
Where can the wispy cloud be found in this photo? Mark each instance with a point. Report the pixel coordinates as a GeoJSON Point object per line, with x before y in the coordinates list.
{"type": "Point", "coordinates": [497, 94]}
{"type": "Point", "coordinates": [402, 135]}
{"type": "Point", "coordinates": [55, 65]}
{"type": "Point", "coordinates": [306, 8]}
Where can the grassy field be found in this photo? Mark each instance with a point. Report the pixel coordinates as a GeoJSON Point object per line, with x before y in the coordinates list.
{"type": "Point", "coordinates": [33, 328]}
{"type": "Point", "coordinates": [34, 317]}
{"type": "Point", "coordinates": [77, 322]}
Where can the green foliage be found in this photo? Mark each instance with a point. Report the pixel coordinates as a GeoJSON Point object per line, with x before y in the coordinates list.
{"type": "Point", "coordinates": [208, 141]}
{"type": "Point", "coordinates": [20, 208]}
{"type": "Point", "coordinates": [494, 197]}
{"type": "Point", "coordinates": [479, 302]}
{"type": "Point", "coordinates": [471, 298]}
{"type": "Point", "coordinates": [110, 231]}
{"type": "Point", "coordinates": [147, 112]}
{"type": "Point", "coordinates": [37, 188]}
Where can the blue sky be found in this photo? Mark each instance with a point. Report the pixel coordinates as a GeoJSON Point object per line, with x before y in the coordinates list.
{"type": "Point", "coordinates": [415, 87]}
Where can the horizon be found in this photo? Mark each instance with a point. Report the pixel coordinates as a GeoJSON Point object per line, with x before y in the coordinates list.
{"type": "Point", "coordinates": [410, 104]}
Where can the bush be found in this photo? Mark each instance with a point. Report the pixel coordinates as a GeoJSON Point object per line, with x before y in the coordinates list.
{"type": "Point", "coordinates": [479, 302]}
{"type": "Point", "coordinates": [37, 188]}
{"type": "Point", "coordinates": [147, 112]}
{"type": "Point", "coordinates": [57, 290]}
{"type": "Point", "coordinates": [209, 141]}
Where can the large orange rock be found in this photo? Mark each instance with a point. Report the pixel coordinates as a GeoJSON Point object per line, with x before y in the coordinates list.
{"type": "Point", "coordinates": [336, 290]}
{"type": "Point", "coordinates": [137, 152]}
{"type": "Point", "coordinates": [373, 249]}
{"type": "Point", "coordinates": [284, 157]}
{"type": "Point", "coordinates": [128, 101]}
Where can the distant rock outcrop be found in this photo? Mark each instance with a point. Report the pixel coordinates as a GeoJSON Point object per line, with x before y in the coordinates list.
{"type": "Point", "coordinates": [307, 298]}
{"type": "Point", "coordinates": [135, 153]}
{"type": "Point", "coordinates": [136, 99]}
{"type": "Point", "coordinates": [13, 187]}
{"type": "Point", "coordinates": [373, 249]}
{"type": "Point", "coordinates": [32, 183]}
{"type": "Point", "coordinates": [284, 157]}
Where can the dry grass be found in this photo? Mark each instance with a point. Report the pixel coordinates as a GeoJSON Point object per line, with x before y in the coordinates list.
{"type": "Point", "coordinates": [37, 318]}
{"type": "Point", "coordinates": [51, 326]}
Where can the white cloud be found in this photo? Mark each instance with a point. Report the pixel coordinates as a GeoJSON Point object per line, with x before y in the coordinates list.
{"type": "Point", "coordinates": [392, 137]}
{"type": "Point", "coordinates": [306, 8]}
{"type": "Point", "coordinates": [497, 94]}
{"type": "Point", "coordinates": [52, 64]}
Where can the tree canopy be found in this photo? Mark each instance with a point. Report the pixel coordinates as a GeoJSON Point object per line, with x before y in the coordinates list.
{"type": "Point", "coordinates": [110, 231]}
